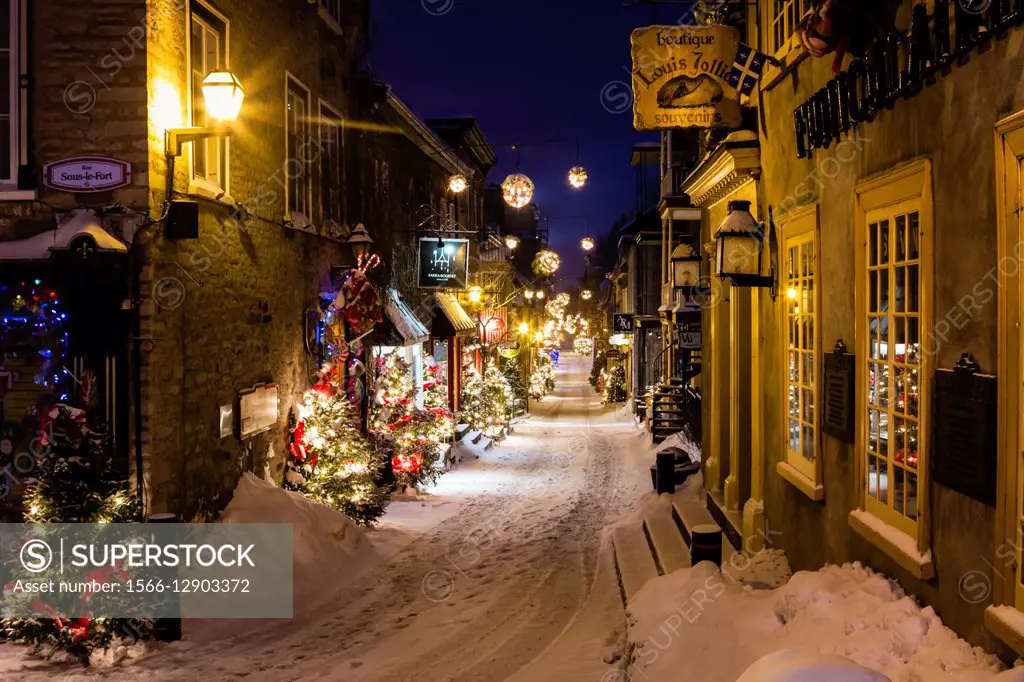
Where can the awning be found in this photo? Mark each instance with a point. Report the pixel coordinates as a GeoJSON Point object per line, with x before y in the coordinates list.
{"type": "Point", "coordinates": [78, 230]}
{"type": "Point", "coordinates": [450, 318]}
{"type": "Point", "coordinates": [404, 328]}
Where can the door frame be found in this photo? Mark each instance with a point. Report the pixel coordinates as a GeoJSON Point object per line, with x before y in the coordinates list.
{"type": "Point", "coordinates": [1009, 141]}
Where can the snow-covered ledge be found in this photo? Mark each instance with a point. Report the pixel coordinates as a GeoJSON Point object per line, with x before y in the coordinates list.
{"type": "Point", "coordinates": [789, 473]}
{"type": "Point", "coordinates": [735, 162]}
{"type": "Point", "coordinates": [894, 542]}
{"type": "Point", "coordinates": [1006, 623]}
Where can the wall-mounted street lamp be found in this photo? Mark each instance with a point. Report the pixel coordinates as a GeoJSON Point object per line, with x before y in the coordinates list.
{"type": "Point", "coordinates": [740, 253]}
{"type": "Point", "coordinates": [685, 267]}
{"type": "Point", "coordinates": [223, 94]}
{"type": "Point", "coordinates": [360, 242]}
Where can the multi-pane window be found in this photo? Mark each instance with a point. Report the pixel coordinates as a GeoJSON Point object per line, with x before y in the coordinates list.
{"type": "Point", "coordinates": [785, 19]}
{"type": "Point", "coordinates": [9, 94]}
{"type": "Point", "coordinates": [298, 155]}
{"type": "Point", "coordinates": [802, 381]}
{"type": "Point", "coordinates": [331, 152]}
{"type": "Point", "coordinates": [208, 52]}
{"type": "Point", "coordinates": [891, 424]}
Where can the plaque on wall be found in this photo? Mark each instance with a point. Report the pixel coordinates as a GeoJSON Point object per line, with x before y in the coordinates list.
{"type": "Point", "coordinates": [839, 378]}
{"type": "Point", "coordinates": [965, 456]}
{"type": "Point", "coordinates": [257, 410]}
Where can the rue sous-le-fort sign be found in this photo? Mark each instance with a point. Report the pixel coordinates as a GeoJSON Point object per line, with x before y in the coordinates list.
{"type": "Point", "coordinates": [679, 77]}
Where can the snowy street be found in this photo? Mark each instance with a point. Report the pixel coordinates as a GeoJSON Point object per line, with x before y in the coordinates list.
{"type": "Point", "coordinates": [471, 582]}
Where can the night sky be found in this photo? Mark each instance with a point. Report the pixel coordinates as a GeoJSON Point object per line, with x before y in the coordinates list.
{"type": "Point", "coordinates": [529, 71]}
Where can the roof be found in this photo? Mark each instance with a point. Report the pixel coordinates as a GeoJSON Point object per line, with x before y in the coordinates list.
{"type": "Point", "coordinates": [423, 137]}
{"type": "Point", "coordinates": [456, 320]}
{"type": "Point", "coordinates": [465, 130]}
{"type": "Point", "coordinates": [405, 322]}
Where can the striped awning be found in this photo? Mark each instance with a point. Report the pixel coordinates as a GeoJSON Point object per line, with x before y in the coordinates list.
{"type": "Point", "coordinates": [452, 320]}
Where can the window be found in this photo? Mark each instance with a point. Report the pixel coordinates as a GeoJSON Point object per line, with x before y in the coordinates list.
{"type": "Point", "coordinates": [895, 280]}
{"type": "Point", "coordinates": [296, 165]}
{"type": "Point", "coordinates": [801, 465]}
{"type": "Point", "coordinates": [11, 103]}
{"type": "Point", "coordinates": [331, 162]}
{"type": "Point", "coordinates": [785, 18]}
{"type": "Point", "coordinates": [330, 12]}
{"type": "Point", "coordinates": [207, 52]}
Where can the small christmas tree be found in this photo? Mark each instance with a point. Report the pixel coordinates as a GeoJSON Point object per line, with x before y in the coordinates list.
{"type": "Point", "coordinates": [76, 481]}
{"type": "Point", "coordinates": [542, 381]}
{"type": "Point", "coordinates": [498, 401]}
{"type": "Point", "coordinates": [516, 383]}
{"type": "Point", "coordinates": [615, 388]}
{"type": "Point", "coordinates": [331, 461]}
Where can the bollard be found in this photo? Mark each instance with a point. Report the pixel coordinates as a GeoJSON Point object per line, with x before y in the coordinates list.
{"type": "Point", "coordinates": [166, 629]}
{"type": "Point", "coordinates": [706, 544]}
{"type": "Point", "coordinates": [666, 472]}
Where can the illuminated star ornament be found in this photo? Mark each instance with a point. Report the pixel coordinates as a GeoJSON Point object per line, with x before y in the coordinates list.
{"type": "Point", "coordinates": [546, 263]}
{"type": "Point", "coordinates": [517, 190]}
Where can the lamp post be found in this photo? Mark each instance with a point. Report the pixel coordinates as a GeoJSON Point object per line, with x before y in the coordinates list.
{"type": "Point", "coordinates": [223, 95]}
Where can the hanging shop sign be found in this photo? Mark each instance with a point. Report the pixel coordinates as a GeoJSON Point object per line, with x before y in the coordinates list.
{"type": "Point", "coordinates": [443, 264]}
{"type": "Point", "coordinates": [509, 350]}
{"type": "Point", "coordinates": [82, 174]}
{"type": "Point", "coordinates": [689, 340]}
{"type": "Point", "coordinates": [257, 410]}
{"type": "Point", "coordinates": [897, 66]}
{"type": "Point", "coordinates": [681, 77]}
{"type": "Point", "coordinates": [622, 323]}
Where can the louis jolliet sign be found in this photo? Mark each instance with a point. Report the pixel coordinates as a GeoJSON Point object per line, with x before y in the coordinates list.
{"type": "Point", "coordinates": [679, 77]}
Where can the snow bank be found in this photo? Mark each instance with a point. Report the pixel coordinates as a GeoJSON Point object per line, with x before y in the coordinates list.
{"type": "Point", "coordinates": [790, 665]}
{"type": "Point", "coordinates": [697, 624]}
{"type": "Point", "coordinates": [324, 542]}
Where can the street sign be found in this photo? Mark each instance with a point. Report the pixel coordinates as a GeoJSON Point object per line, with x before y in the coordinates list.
{"type": "Point", "coordinates": [622, 323]}
{"type": "Point", "coordinates": [82, 174]}
{"type": "Point", "coordinates": [689, 340]}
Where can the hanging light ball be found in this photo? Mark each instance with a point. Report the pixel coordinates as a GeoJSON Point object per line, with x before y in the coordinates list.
{"type": "Point", "coordinates": [458, 183]}
{"type": "Point", "coordinates": [512, 242]}
{"type": "Point", "coordinates": [586, 294]}
{"type": "Point", "coordinates": [540, 295]}
{"type": "Point", "coordinates": [587, 244]}
{"type": "Point", "coordinates": [517, 190]}
{"type": "Point", "coordinates": [546, 263]}
{"type": "Point", "coordinates": [578, 176]}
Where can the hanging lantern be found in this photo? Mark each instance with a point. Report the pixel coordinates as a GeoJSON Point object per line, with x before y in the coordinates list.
{"type": "Point", "coordinates": [740, 253]}
{"type": "Point", "coordinates": [685, 267]}
{"type": "Point", "coordinates": [517, 190]}
{"type": "Point", "coordinates": [458, 184]}
{"type": "Point", "coordinates": [360, 242]}
{"type": "Point", "coordinates": [586, 294]}
{"type": "Point", "coordinates": [528, 294]}
{"type": "Point", "coordinates": [577, 176]}
{"type": "Point", "coordinates": [540, 295]}
{"type": "Point", "coordinates": [512, 242]}
{"type": "Point", "coordinates": [546, 263]}
{"type": "Point", "coordinates": [587, 244]}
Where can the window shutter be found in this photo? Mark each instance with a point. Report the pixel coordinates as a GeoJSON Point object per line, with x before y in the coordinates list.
{"type": "Point", "coordinates": [965, 432]}
{"type": "Point", "coordinates": [839, 394]}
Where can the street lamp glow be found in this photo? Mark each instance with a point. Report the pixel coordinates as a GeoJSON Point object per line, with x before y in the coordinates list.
{"type": "Point", "coordinates": [528, 294]}
{"type": "Point", "coordinates": [475, 294]}
{"type": "Point", "coordinates": [538, 336]}
{"type": "Point", "coordinates": [223, 94]}
{"type": "Point", "coordinates": [791, 293]}
{"type": "Point", "coordinates": [458, 184]}
{"type": "Point", "coordinates": [524, 328]}
{"type": "Point", "coordinates": [512, 242]}
{"type": "Point", "coordinates": [540, 295]}
{"type": "Point", "coordinates": [587, 244]}
{"type": "Point", "coordinates": [586, 294]}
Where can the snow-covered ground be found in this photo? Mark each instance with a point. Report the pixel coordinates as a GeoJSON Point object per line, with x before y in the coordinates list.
{"type": "Point", "coordinates": [472, 581]}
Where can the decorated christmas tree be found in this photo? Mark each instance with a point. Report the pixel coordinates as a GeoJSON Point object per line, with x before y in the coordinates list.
{"type": "Point", "coordinates": [516, 383]}
{"type": "Point", "coordinates": [75, 480]}
{"type": "Point", "coordinates": [615, 387]}
{"type": "Point", "coordinates": [542, 381]}
{"type": "Point", "coordinates": [499, 401]}
{"type": "Point", "coordinates": [330, 460]}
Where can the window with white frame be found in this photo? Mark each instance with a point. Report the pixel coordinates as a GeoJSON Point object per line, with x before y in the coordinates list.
{"type": "Point", "coordinates": [892, 413]}
{"type": "Point", "coordinates": [298, 157]}
{"type": "Point", "coordinates": [207, 52]}
{"type": "Point", "coordinates": [802, 462]}
{"type": "Point", "coordinates": [10, 93]}
{"type": "Point", "coordinates": [331, 160]}
{"type": "Point", "coordinates": [784, 19]}
{"type": "Point", "coordinates": [330, 11]}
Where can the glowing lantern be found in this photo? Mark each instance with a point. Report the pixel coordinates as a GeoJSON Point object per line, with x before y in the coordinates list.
{"type": "Point", "coordinates": [587, 244]}
{"type": "Point", "coordinates": [475, 294]}
{"type": "Point", "coordinates": [546, 263]}
{"type": "Point", "coordinates": [458, 184]}
{"type": "Point", "coordinates": [512, 242]}
{"type": "Point", "coordinates": [517, 190]}
{"type": "Point", "coordinates": [577, 176]}
{"type": "Point", "coordinates": [223, 94]}
{"type": "Point", "coordinates": [586, 294]}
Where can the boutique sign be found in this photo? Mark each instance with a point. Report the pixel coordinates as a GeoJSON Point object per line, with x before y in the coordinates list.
{"type": "Point", "coordinates": [443, 264]}
{"type": "Point", "coordinates": [680, 77]}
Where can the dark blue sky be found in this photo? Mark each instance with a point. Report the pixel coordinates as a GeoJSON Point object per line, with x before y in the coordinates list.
{"type": "Point", "coordinates": [528, 70]}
